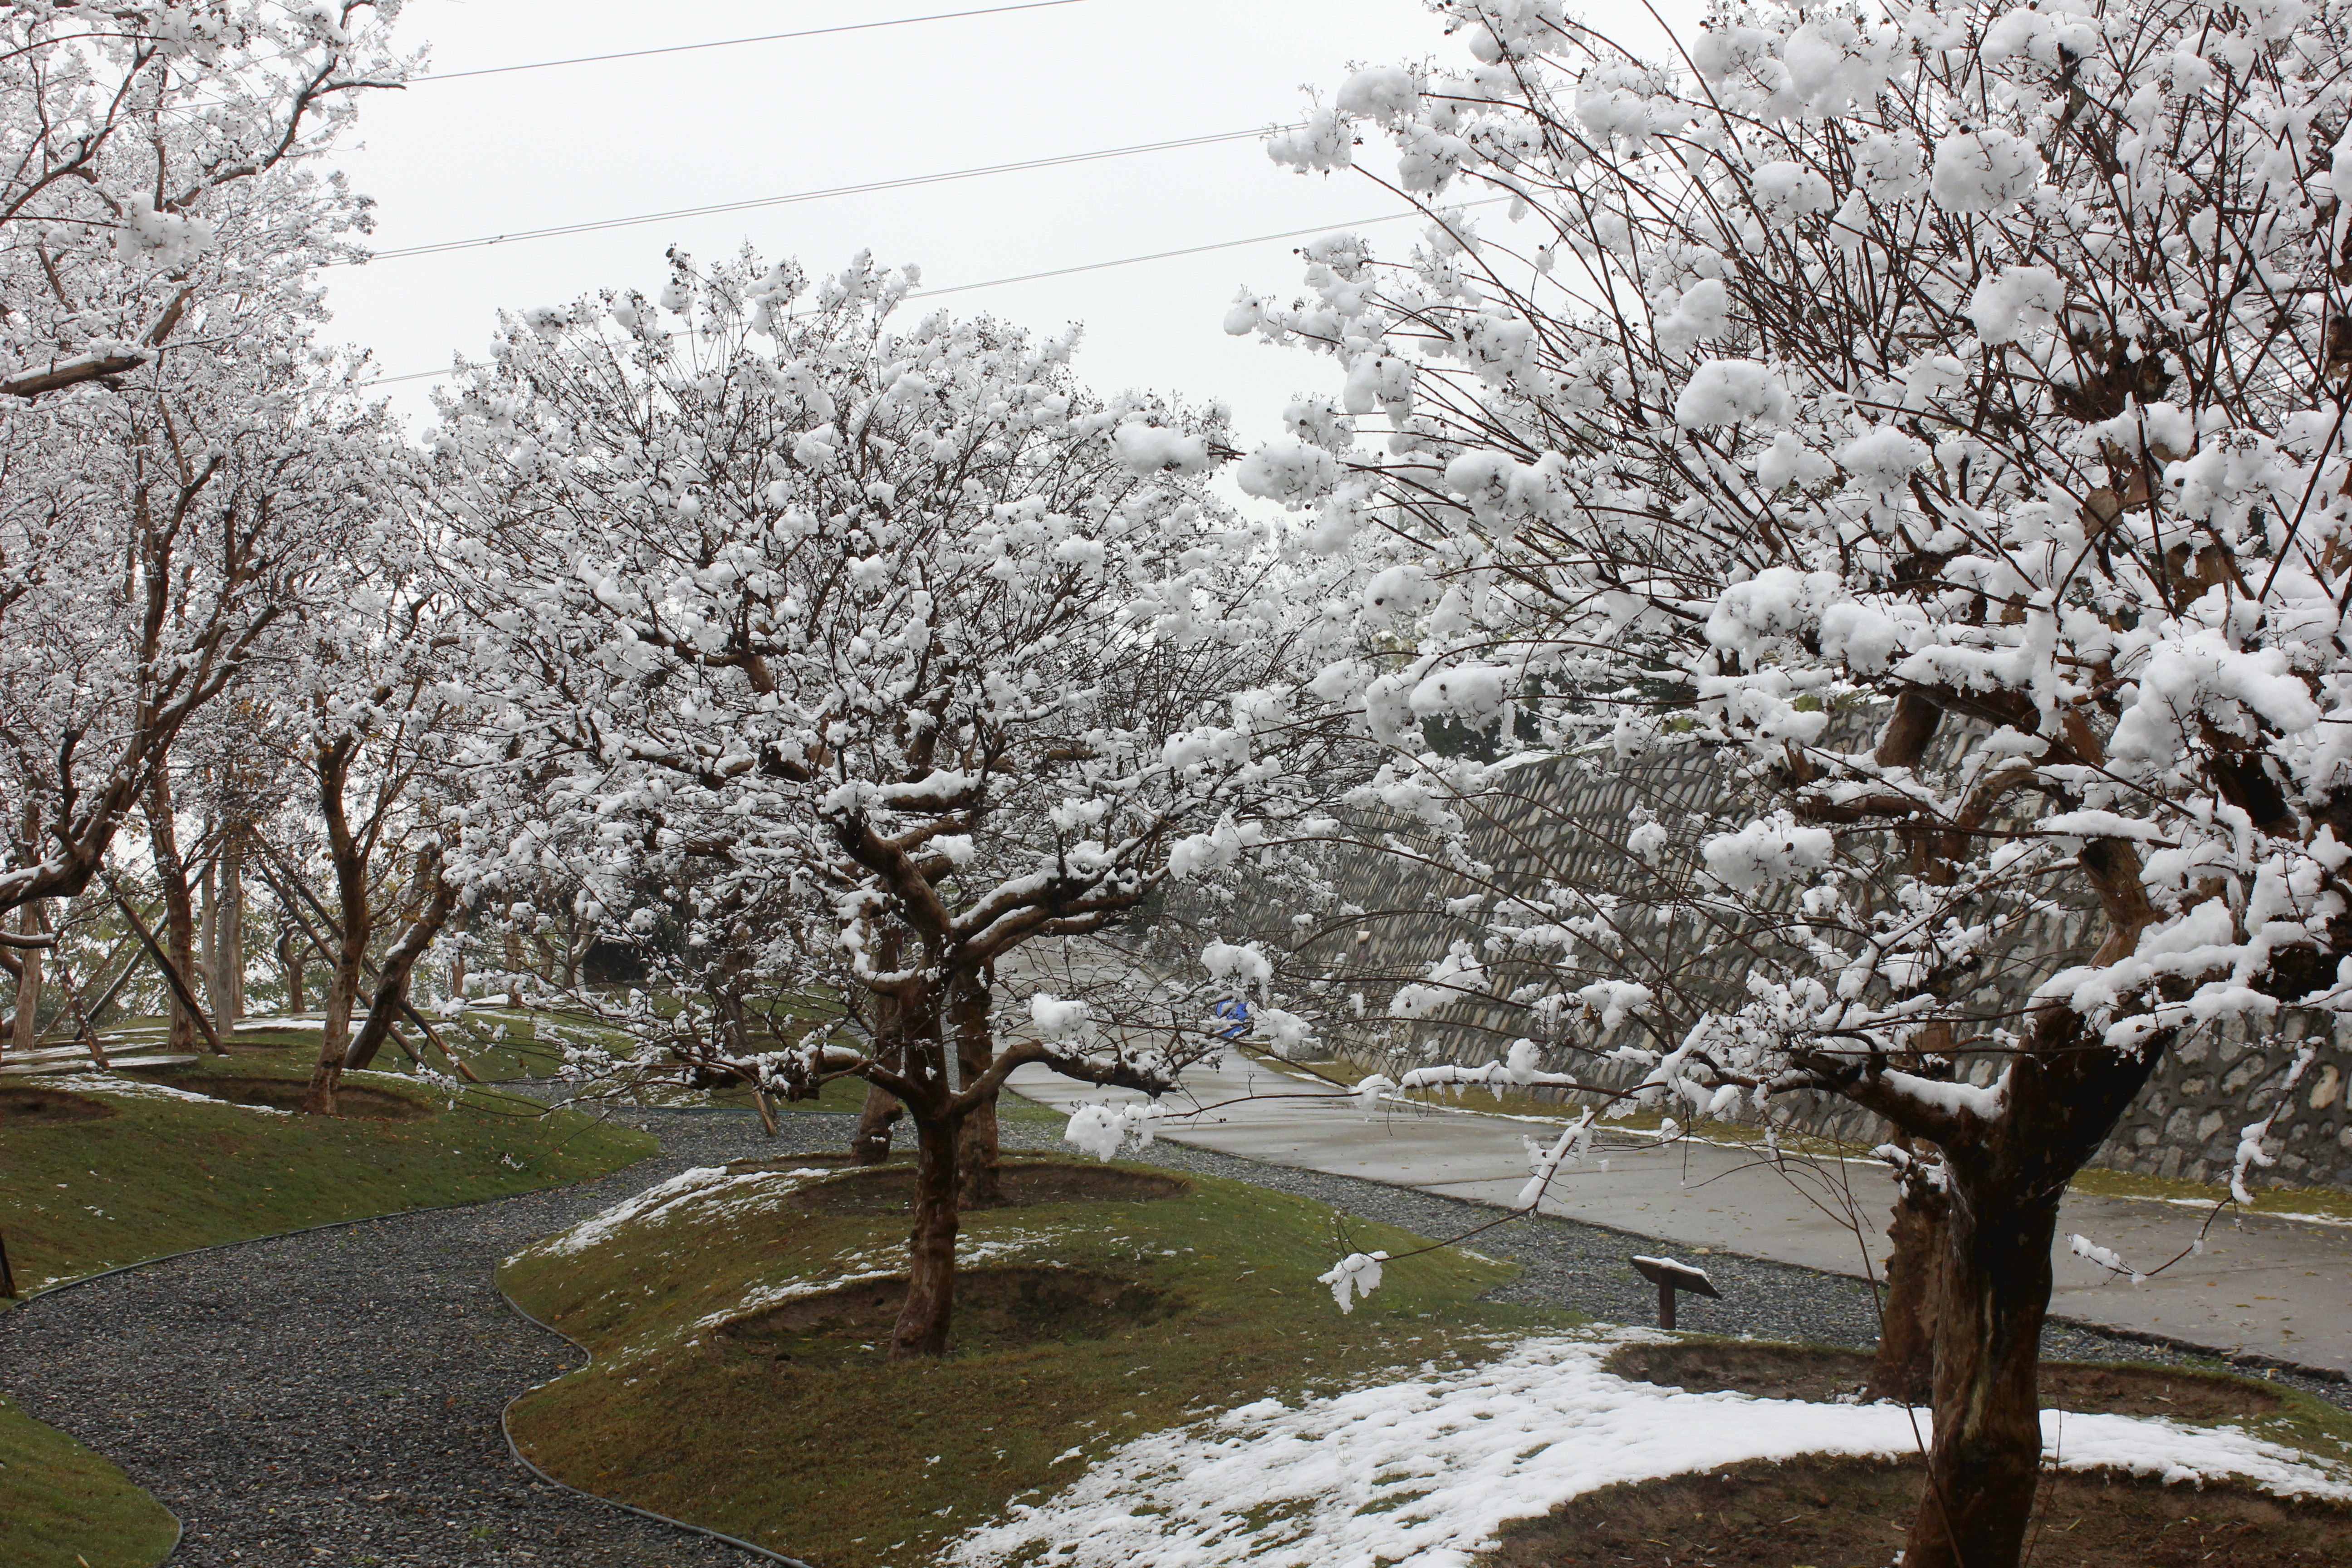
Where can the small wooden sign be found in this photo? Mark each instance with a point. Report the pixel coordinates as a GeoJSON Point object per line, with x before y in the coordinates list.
{"type": "Point", "coordinates": [1670, 1276]}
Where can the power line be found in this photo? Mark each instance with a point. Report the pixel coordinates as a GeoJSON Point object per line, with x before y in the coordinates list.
{"type": "Point", "coordinates": [1058, 161]}
{"type": "Point", "coordinates": [1190, 251]}
{"type": "Point", "coordinates": [731, 43]}
{"type": "Point", "coordinates": [1087, 267]}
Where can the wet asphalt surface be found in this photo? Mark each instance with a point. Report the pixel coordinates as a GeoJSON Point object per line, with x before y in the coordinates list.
{"type": "Point", "coordinates": [333, 1398]}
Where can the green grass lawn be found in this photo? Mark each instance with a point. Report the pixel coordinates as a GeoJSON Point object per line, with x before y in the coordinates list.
{"type": "Point", "coordinates": [162, 1174]}
{"type": "Point", "coordinates": [1088, 1320]}
{"type": "Point", "coordinates": [61, 1505]}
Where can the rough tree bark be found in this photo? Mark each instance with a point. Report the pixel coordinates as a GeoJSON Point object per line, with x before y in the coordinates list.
{"type": "Point", "coordinates": [25, 1028]}
{"type": "Point", "coordinates": [2006, 1188]}
{"type": "Point", "coordinates": [869, 1144]}
{"type": "Point", "coordinates": [922, 1327]}
{"type": "Point", "coordinates": [350, 859]}
{"type": "Point", "coordinates": [207, 890]}
{"type": "Point", "coordinates": [179, 912]}
{"type": "Point", "coordinates": [391, 979]}
{"type": "Point", "coordinates": [225, 931]}
{"type": "Point", "coordinates": [289, 961]}
{"type": "Point", "coordinates": [1904, 1367]}
{"type": "Point", "coordinates": [981, 1184]}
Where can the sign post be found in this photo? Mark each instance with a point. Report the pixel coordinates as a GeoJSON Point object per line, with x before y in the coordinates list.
{"type": "Point", "coordinates": [1669, 1276]}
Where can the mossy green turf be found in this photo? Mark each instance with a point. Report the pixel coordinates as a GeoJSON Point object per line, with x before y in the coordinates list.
{"type": "Point", "coordinates": [163, 1175]}
{"type": "Point", "coordinates": [851, 1460]}
{"type": "Point", "coordinates": [60, 1504]}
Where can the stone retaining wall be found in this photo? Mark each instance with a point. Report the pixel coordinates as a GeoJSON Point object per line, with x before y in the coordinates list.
{"type": "Point", "coordinates": [1566, 820]}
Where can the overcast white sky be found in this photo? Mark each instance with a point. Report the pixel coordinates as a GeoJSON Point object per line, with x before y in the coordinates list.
{"type": "Point", "coordinates": [459, 159]}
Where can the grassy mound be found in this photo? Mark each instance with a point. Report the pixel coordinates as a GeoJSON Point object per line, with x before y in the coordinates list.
{"type": "Point", "coordinates": [1772, 1371]}
{"type": "Point", "coordinates": [737, 1317]}
{"type": "Point", "coordinates": [110, 1170]}
{"type": "Point", "coordinates": [1768, 1515]}
{"type": "Point", "coordinates": [60, 1503]}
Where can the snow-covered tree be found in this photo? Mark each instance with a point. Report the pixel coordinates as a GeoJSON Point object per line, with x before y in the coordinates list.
{"type": "Point", "coordinates": [153, 161]}
{"type": "Point", "coordinates": [174, 449]}
{"type": "Point", "coordinates": [1941, 410]}
{"type": "Point", "coordinates": [856, 654]}
{"type": "Point", "coordinates": [149, 538]}
{"type": "Point", "coordinates": [363, 693]}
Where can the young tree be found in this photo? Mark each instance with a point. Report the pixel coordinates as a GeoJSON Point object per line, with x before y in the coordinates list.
{"type": "Point", "coordinates": [1974, 375]}
{"type": "Point", "coordinates": [871, 652]}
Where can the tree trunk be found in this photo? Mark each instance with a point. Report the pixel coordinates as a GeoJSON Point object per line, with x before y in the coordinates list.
{"type": "Point", "coordinates": [208, 920]}
{"type": "Point", "coordinates": [26, 1029]}
{"type": "Point", "coordinates": [179, 911]}
{"type": "Point", "coordinates": [1987, 1459]}
{"type": "Point", "coordinates": [228, 1001]}
{"type": "Point", "coordinates": [2063, 1095]}
{"type": "Point", "coordinates": [870, 1144]}
{"type": "Point", "coordinates": [923, 1321]}
{"type": "Point", "coordinates": [976, 1150]}
{"type": "Point", "coordinates": [391, 979]}
{"type": "Point", "coordinates": [352, 944]}
{"type": "Point", "coordinates": [457, 954]}
{"type": "Point", "coordinates": [1905, 1369]}
{"type": "Point", "coordinates": [289, 960]}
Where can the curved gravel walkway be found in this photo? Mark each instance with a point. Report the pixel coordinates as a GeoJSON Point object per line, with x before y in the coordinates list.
{"type": "Point", "coordinates": [333, 1398]}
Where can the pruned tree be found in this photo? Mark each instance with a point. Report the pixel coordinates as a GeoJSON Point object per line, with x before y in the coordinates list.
{"type": "Point", "coordinates": [844, 648]}
{"type": "Point", "coordinates": [1938, 414]}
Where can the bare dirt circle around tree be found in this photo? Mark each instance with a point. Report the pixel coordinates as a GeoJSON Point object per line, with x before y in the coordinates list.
{"type": "Point", "coordinates": [1837, 1512]}
{"type": "Point", "coordinates": [884, 1188]}
{"type": "Point", "coordinates": [996, 1309]}
{"type": "Point", "coordinates": [1820, 1373]}
{"type": "Point", "coordinates": [49, 1108]}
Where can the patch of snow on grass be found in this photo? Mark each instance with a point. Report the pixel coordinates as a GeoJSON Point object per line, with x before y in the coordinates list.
{"type": "Point", "coordinates": [139, 1089]}
{"type": "Point", "coordinates": [601, 1226]}
{"type": "Point", "coordinates": [1419, 1474]}
{"type": "Point", "coordinates": [856, 1267]}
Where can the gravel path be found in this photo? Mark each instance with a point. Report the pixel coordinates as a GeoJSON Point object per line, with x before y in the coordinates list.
{"type": "Point", "coordinates": [333, 1398]}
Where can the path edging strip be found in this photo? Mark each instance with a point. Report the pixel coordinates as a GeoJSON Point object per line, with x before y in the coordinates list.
{"type": "Point", "coordinates": [507, 1433]}
{"type": "Point", "coordinates": [179, 1525]}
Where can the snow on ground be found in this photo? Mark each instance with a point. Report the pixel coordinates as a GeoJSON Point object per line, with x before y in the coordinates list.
{"type": "Point", "coordinates": [140, 1088]}
{"type": "Point", "coordinates": [700, 1182]}
{"type": "Point", "coordinates": [1418, 1474]}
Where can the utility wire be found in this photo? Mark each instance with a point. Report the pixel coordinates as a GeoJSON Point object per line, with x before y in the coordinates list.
{"type": "Point", "coordinates": [731, 43]}
{"type": "Point", "coordinates": [1058, 161]}
{"type": "Point", "coordinates": [1189, 251]}
{"type": "Point", "coordinates": [1087, 267]}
